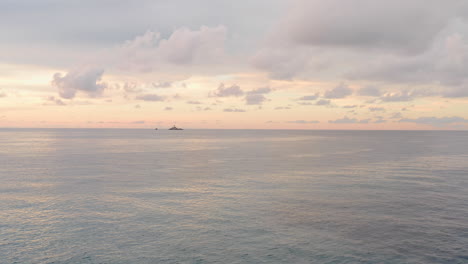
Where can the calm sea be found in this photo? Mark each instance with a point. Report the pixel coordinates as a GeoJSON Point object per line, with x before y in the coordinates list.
{"type": "Point", "coordinates": [233, 196]}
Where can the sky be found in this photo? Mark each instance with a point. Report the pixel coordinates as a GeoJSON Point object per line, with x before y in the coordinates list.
{"type": "Point", "coordinates": [257, 64]}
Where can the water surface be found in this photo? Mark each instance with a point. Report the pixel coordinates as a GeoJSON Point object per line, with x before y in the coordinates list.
{"type": "Point", "coordinates": [233, 196]}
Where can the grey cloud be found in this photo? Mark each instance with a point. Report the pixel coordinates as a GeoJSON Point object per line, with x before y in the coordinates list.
{"type": "Point", "coordinates": [416, 42]}
{"type": "Point", "coordinates": [131, 87]}
{"type": "Point", "coordinates": [54, 100]}
{"type": "Point", "coordinates": [162, 85]}
{"type": "Point", "coordinates": [279, 62]}
{"type": "Point", "coordinates": [444, 65]}
{"type": "Point", "coordinates": [436, 121]}
{"type": "Point", "coordinates": [150, 97]}
{"type": "Point", "coordinates": [233, 110]}
{"type": "Point", "coordinates": [396, 115]}
{"type": "Point", "coordinates": [182, 47]}
{"type": "Point", "coordinates": [83, 79]}
{"type": "Point", "coordinates": [255, 99]}
{"type": "Point", "coordinates": [376, 109]}
{"type": "Point", "coordinates": [193, 102]}
{"type": "Point", "coordinates": [350, 106]}
{"type": "Point", "coordinates": [308, 97]}
{"type": "Point", "coordinates": [263, 90]}
{"type": "Point", "coordinates": [203, 109]}
{"type": "Point", "coordinates": [397, 97]}
{"type": "Point", "coordinates": [282, 108]}
{"type": "Point", "coordinates": [379, 121]}
{"type": "Point", "coordinates": [303, 122]}
{"type": "Point", "coordinates": [138, 122]}
{"type": "Point", "coordinates": [323, 102]}
{"type": "Point", "coordinates": [347, 120]}
{"type": "Point", "coordinates": [223, 91]}
{"type": "Point", "coordinates": [340, 91]}
{"type": "Point", "coordinates": [168, 108]}
{"type": "Point", "coordinates": [370, 91]}
{"type": "Point", "coordinates": [378, 24]}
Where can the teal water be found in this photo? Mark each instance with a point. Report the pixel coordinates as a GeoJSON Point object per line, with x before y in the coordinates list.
{"type": "Point", "coordinates": [233, 196]}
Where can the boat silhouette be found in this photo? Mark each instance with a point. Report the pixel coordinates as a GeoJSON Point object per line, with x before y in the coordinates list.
{"type": "Point", "coordinates": [175, 128]}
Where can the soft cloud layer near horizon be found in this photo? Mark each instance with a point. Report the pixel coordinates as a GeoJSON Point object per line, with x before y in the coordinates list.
{"type": "Point", "coordinates": [305, 64]}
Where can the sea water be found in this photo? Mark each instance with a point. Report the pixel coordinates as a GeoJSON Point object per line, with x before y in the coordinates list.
{"type": "Point", "coordinates": [233, 196]}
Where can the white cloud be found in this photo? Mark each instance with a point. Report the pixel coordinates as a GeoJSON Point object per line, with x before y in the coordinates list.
{"type": "Point", "coordinates": [84, 79]}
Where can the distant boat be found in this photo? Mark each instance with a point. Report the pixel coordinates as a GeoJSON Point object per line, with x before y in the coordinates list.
{"type": "Point", "coordinates": [156, 129]}
{"type": "Point", "coordinates": [175, 128]}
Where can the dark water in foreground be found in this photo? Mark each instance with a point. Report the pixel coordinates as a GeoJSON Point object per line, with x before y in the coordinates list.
{"type": "Point", "coordinates": [214, 196]}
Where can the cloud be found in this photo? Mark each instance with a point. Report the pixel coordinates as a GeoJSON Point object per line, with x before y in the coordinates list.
{"type": "Point", "coordinates": [308, 97]}
{"type": "Point", "coordinates": [193, 102]}
{"type": "Point", "coordinates": [369, 91]}
{"type": "Point", "coordinates": [183, 47]}
{"type": "Point", "coordinates": [263, 90]}
{"type": "Point", "coordinates": [375, 24]}
{"type": "Point", "coordinates": [347, 120]}
{"type": "Point", "coordinates": [2, 94]}
{"type": "Point", "coordinates": [146, 53]}
{"type": "Point", "coordinates": [396, 115]}
{"type": "Point", "coordinates": [150, 97]}
{"type": "Point", "coordinates": [340, 91]}
{"type": "Point", "coordinates": [380, 121]}
{"type": "Point", "coordinates": [138, 122]}
{"type": "Point", "coordinates": [303, 122]}
{"type": "Point", "coordinates": [223, 91]}
{"type": "Point", "coordinates": [279, 62]}
{"type": "Point", "coordinates": [203, 109]}
{"type": "Point", "coordinates": [323, 102]}
{"type": "Point", "coordinates": [435, 121]}
{"type": "Point", "coordinates": [84, 79]}
{"type": "Point", "coordinates": [443, 65]}
{"type": "Point", "coordinates": [282, 108]}
{"type": "Point", "coordinates": [56, 101]}
{"type": "Point", "coordinates": [233, 110]}
{"type": "Point", "coordinates": [162, 85]}
{"type": "Point", "coordinates": [350, 106]}
{"type": "Point", "coordinates": [413, 42]}
{"type": "Point", "coordinates": [131, 87]}
{"type": "Point", "coordinates": [168, 108]}
{"type": "Point", "coordinates": [376, 109]}
{"type": "Point", "coordinates": [255, 99]}
{"type": "Point", "coordinates": [401, 96]}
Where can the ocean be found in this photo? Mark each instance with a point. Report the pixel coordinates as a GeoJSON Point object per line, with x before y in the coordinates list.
{"type": "Point", "coordinates": [233, 196]}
